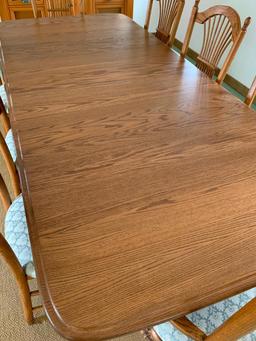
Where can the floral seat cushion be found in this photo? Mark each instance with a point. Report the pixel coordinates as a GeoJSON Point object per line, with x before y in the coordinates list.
{"type": "Point", "coordinates": [16, 234]}
{"type": "Point", "coordinates": [210, 318]}
{"type": "Point", "coordinates": [11, 145]}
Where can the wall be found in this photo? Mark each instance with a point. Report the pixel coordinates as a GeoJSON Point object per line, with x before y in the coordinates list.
{"type": "Point", "coordinates": [244, 66]}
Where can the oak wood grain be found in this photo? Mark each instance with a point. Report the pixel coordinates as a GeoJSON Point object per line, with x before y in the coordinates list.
{"type": "Point", "coordinates": [138, 175]}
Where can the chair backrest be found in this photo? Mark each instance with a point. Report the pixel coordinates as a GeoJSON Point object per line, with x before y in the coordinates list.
{"type": "Point", "coordinates": [4, 150]}
{"type": "Point", "coordinates": [57, 8]}
{"type": "Point", "coordinates": [222, 31]}
{"type": "Point", "coordinates": [170, 12]}
{"type": "Point", "coordinates": [251, 94]}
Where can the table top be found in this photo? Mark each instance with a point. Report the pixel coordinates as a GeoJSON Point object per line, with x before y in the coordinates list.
{"type": "Point", "coordinates": [138, 174]}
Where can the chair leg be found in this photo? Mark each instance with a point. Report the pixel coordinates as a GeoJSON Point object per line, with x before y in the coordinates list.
{"type": "Point", "coordinates": [20, 277]}
{"type": "Point", "coordinates": [26, 302]}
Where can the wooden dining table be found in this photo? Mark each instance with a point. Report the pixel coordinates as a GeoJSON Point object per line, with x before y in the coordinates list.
{"type": "Point", "coordinates": [137, 171]}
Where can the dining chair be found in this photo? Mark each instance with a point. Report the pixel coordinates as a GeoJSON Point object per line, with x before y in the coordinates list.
{"type": "Point", "coordinates": [228, 320]}
{"type": "Point", "coordinates": [15, 248]}
{"type": "Point", "coordinates": [222, 31]}
{"type": "Point", "coordinates": [251, 94]}
{"type": "Point", "coordinates": [8, 149]}
{"type": "Point", "coordinates": [58, 8]}
{"type": "Point", "coordinates": [170, 12]}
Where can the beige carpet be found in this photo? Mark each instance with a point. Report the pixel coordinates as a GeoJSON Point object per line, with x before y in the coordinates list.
{"type": "Point", "coordinates": [12, 324]}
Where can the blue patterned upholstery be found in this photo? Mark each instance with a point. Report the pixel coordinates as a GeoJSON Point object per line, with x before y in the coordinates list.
{"type": "Point", "coordinates": [11, 145]}
{"type": "Point", "coordinates": [16, 234]}
{"type": "Point", "coordinates": [209, 318]}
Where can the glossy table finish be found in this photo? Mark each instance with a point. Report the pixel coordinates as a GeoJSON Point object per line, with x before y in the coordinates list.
{"type": "Point", "coordinates": [138, 174]}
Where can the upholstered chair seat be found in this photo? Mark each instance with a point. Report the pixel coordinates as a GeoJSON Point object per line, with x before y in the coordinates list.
{"type": "Point", "coordinates": [210, 318]}
{"type": "Point", "coordinates": [11, 145]}
{"type": "Point", "coordinates": [16, 234]}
